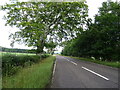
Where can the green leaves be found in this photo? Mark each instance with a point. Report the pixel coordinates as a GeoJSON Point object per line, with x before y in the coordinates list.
{"type": "Point", "coordinates": [38, 20]}
{"type": "Point", "coordinates": [102, 38]}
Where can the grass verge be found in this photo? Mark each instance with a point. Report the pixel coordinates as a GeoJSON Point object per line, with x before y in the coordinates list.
{"type": "Point", "coordinates": [35, 76]}
{"type": "Point", "coordinates": [112, 64]}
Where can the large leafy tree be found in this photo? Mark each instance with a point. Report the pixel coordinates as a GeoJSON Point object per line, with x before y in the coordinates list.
{"type": "Point", "coordinates": [102, 38]}
{"type": "Point", "coordinates": [108, 15]}
{"type": "Point", "coordinates": [41, 22]}
{"type": "Point", "coordinates": [107, 21]}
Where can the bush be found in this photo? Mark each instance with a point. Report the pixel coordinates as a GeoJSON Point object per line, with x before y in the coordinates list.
{"type": "Point", "coordinates": [11, 63]}
{"type": "Point", "coordinates": [45, 55]}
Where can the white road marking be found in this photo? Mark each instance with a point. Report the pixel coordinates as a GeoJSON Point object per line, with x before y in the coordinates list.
{"type": "Point", "coordinates": [66, 59]}
{"type": "Point", "coordinates": [73, 62]}
{"type": "Point", "coordinates": [53, 72]}
{"type": "Point", "coordinates": [70, 61]}
{"type": "Point", "coordinates": [54, 68]}
{"type": "Point", "coordinates": [95, 73]}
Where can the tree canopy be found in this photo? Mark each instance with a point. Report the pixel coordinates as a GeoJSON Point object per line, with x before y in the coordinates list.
{"type": "Point", "coordinates": [42, 22]}
{"type": "Point", "coordinates": [102, 38]}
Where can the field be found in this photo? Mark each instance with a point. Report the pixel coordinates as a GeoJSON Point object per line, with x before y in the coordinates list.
{"type": "Point", "coordinates": [13, 53]}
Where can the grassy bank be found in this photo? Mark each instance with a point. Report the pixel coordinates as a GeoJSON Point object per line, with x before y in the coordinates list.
{"type": "Point", "coordinates": [115, 64]}
{"type": "Point", "coordinates": [36, 76]}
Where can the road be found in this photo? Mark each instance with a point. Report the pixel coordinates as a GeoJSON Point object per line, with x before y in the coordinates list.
{"type": "Point", "coordinates": [73, 73]}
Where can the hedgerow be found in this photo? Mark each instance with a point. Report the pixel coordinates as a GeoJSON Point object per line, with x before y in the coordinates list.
{"type": "Point", "coordinates": [11, 63]}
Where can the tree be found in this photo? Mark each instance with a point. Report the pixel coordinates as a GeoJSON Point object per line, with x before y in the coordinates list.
{"type": "Point", "coordinates": [102, 38]}
{"type": "Point", "coordinates": [108, 23]}
{"type": "Point", "coordinates": [45, 21]}
{"type": "Point", "coordinates": [50, 46]}
{"type": "Point", "coordinates": [108, 15]}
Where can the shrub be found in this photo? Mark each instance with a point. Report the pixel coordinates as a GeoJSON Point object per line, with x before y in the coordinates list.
{"type": "Point", "coordinates": [45, 55]}
{"type": "Point", "coordinates": [11, 63]}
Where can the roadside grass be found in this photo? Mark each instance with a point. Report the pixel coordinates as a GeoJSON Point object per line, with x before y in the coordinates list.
{"type": "Point", "coordinates": [35, 76]}
{"type": "Point", "coordinates": [115, 64]}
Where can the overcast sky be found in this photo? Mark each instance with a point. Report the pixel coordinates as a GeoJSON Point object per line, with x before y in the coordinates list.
{"type": "Point", "coordinates": [5, 31]}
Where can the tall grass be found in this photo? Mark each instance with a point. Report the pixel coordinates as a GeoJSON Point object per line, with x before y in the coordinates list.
{"type": "Point", "coordinates": [35, 76]}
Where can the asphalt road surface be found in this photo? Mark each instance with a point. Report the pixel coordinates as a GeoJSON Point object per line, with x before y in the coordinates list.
{"type": "Point", "coordinates": [73, 73]}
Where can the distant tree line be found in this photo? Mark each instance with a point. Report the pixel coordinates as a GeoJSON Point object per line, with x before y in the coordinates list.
{"type": "Point", "coordinates": [102, 37]}
{"type": "Point", "coordinates": [3, 49]}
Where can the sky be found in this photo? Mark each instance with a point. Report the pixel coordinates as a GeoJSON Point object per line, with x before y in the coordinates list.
{"type": "Point", "coordinates": [5, 31]}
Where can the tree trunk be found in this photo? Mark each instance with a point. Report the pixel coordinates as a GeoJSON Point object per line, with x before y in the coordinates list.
{"type": "Point", "coordinates": [39, 51]}
{"type": "Point", "coordinates": [40, 48]}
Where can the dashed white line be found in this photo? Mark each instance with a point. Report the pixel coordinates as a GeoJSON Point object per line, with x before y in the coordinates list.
{"type": "Point", "coordinates": [70, 61]}
{"type": "Point", "coordinates": [89, 70]}
{"type": "Point", "coordinates": [66, 59]}
{"type": "Point", "coordinates": [73, 62]}
{"type": "Point", "coordinates": [95, 73]}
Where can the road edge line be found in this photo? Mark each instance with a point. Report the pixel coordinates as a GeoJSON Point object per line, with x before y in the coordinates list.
{"type": "Point", "coordinates": [53, 73]}
{"type": "Point", "coordinates": [54, 67]}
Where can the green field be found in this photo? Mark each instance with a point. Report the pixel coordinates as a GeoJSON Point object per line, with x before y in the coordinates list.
{"type": "Point", "coordinates": [13, 53]}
